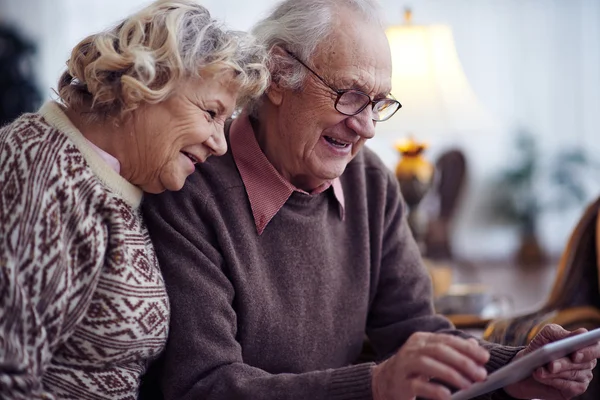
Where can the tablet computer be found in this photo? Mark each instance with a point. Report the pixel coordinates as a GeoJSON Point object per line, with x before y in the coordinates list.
{"type": "Point", "coordinates": [524, 367]}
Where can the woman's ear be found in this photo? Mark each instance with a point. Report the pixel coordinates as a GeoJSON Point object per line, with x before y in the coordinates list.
{"type": "Point", "coordinates": [279, 67]}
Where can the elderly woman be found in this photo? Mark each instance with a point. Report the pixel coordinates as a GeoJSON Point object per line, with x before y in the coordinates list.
{"type": "Point", "coordinates": [83, 307]}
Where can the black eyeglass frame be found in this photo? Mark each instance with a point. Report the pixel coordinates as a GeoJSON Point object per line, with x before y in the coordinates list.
{"type": "Point", "coordinates": [341, 92]}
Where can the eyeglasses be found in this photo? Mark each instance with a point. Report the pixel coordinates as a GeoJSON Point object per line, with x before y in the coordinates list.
{"type": "Point", "coordinates": [352, 102]}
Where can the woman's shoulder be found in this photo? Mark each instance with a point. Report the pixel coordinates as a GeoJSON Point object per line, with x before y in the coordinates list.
{"type": "Point", "coordinates": [30, 150]}
{"type": "Point", "coordinates": [41, 164]}
{"type": "Point", "coordinates": [24, 138]}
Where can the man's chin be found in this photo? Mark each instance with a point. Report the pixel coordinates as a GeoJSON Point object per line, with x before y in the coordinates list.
{"type": "Point", "coordinates": [334, 171]}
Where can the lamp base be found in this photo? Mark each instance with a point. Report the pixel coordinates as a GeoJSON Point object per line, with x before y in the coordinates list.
{"type": "Point", "coordinates": [415, 175]}
{"type": "Point", "coordinates": [413, 190]}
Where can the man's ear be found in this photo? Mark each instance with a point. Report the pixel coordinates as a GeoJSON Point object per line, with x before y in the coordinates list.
{"type": "Point", "coordinates": [274, 93]}
{"type": "Point", "coordinates": [280, 66]}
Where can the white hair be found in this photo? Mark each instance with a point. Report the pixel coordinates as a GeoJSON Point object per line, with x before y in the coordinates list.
{"type": "Point", "coordinates": [299, 26]}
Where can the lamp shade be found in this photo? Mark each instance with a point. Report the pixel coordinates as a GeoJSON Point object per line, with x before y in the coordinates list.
{"type": "Point", "coordinates": [428, 79]}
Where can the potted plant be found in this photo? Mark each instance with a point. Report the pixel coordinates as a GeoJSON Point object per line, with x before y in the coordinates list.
{"type": "Point", "coordinates": [518, 197]}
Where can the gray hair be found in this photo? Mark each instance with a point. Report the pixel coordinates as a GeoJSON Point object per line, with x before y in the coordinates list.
{"type": "Point", "coordinates": [145, 57]}
{"type": "Point", "coordinates": [300, 26]}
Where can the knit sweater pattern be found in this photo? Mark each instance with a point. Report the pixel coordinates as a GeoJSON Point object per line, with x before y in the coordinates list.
{"type": "Point", "coordinates": [83, 307]}
{"type": "Point", "coordinates": [284, 314]}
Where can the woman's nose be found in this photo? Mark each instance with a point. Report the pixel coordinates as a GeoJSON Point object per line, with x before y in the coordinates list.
{"type": "Point", "coordinates": [217, 143]}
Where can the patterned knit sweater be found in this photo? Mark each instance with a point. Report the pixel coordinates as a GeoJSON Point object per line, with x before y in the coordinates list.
{"type": "Point", "coordinates": [83, 306]}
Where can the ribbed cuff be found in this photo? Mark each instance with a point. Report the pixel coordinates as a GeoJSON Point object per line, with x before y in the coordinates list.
{"type": "Point", "coordinates": [351, 383]}
{"type": "Point", "coordinates": [500, 356]}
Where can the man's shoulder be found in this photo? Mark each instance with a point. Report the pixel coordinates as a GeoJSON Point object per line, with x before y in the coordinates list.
{"type": "Point", "coordinates": [212, 179]}
{"type": "Point", "coordinates": [217, 172]}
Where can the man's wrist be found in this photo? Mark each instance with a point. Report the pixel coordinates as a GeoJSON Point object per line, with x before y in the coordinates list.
{"type": "Point", "coordinates": [376, 381]}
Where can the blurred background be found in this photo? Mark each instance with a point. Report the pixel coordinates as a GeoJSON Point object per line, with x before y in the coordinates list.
{"type": "Point", "coordinates": [524, 116]}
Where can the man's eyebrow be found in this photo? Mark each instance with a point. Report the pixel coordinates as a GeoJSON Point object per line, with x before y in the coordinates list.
{"type": "Point", "coordinates": [354, 84]}
{"type": "Point", "coordinates": [377, 96]}
{"type": "Point", "coordinates": [350, 83]}
{"type": "Point", "coordinates": [382, 95]}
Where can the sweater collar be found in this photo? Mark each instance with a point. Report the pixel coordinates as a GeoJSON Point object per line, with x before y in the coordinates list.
{"type": "Point", "coordinates": [54, 115]}
{"type": "Point", "coordinates": [267, 190]}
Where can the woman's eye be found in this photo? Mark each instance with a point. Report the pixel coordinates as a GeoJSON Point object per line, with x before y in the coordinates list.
{"type": "Point", "coordinates": [211, 113]}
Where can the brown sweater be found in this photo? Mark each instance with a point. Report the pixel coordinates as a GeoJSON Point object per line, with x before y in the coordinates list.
{"type": "Point", "coordinates": [283, 315]}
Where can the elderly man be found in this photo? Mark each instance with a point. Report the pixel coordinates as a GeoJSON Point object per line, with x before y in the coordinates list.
{"type": "Point", "coordinates": [281, 255]}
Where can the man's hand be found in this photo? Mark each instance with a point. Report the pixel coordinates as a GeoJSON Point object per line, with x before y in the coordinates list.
{"type": "Point", "coordinates": [562, 379]}
{"type": "Point", "coordinates": [426, 359]}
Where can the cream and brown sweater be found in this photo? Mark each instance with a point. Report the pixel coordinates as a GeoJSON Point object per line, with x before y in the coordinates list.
{"type": "Point", "coordinates": [83, 306]}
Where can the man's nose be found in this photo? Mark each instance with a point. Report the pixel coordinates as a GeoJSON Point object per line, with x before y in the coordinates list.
{"type": "Point", "coordinates": [362, 123]}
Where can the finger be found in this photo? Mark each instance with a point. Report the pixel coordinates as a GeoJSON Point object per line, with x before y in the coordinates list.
{"type": "Point", "coordinates": [556, 367]}
{"type": "Point", "coordinates": [578, 331]}
{"type": "Point", "coordinates": [567, 388]}
{"type": "Point", "coordinates": [583, 375]}
{"type": "Point", "coordinates": [467, 347]}
{"type": "Point", "coordinates": [433, 369]}
{"type": "Point", "coordinates": [549, 333]}
{"type": "Point", "coordinates": [566, 364]}
{"type": "Point", "coordinates": [586, 354]}
{"type": "Point", "coordinates": [456, 360]}
{"type": "Point", "coordinates": [556, 332]}
{"type": "Point", "coordinates": [428, 390]}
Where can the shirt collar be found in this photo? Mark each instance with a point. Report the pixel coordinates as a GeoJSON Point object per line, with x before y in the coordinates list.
{"type": "Point", "coordinates": [267, 190]}
{"type": "Point", "coordinates": [109, 158]}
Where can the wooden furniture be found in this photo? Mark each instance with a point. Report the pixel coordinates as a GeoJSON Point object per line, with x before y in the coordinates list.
{"type": "Point", "coordinates": [451, 168]}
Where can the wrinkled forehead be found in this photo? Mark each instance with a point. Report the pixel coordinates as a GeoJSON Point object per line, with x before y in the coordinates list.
{"type": "Point", "coordinates": [356, 55]}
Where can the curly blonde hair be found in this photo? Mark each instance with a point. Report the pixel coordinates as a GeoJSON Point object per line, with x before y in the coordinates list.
{"type": "Point", "coordinates": [145, 57]}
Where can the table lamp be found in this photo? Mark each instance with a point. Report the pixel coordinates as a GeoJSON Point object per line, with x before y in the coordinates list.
{"type": "Point", "coordinates": [437, 100]}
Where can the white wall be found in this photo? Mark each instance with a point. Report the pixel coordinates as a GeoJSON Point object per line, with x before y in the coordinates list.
{"type": "Point", "coordinates": [533, 64]}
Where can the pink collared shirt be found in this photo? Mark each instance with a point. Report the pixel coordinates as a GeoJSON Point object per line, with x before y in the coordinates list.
{"type": "Point", "coordinates": [267, 189]}
{"type": "Point", "coordinates": [110, 160]}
